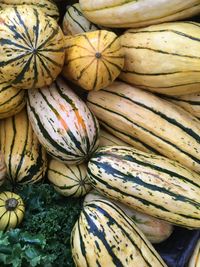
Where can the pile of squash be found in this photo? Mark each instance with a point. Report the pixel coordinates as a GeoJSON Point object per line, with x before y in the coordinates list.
{"type": "Point", "coordinates": [132, 147]}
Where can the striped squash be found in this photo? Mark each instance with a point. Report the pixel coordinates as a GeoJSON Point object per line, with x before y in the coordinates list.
{"type": "Point", "coordinates": [191, 103]}
{"type": "Point", "coordinates": [31, 47]}
{"type": "Point", "coordinates": [46, 6]}
{"type": "Point", "coordinates": [68, 180]}
{"type": "Point", "coordinates": [149, 183]}
{"type": "Point", "coordinates": [105, 236]}
{"type": "Point", "coordinates": [93, 59]}
{"type": "Point", "coordinates": [137, 13]}
{"type": "Point", "coordinates": [107, 139]}
{"type": "Point", "coordinates": [74, 21]}
{"type": "Point", "coordinates": [195, 258]}
{"type": "Point", "coordinates": [163, 58]}
{"type": "Point", "coordinates": [155, 230]}
{"type": "Point", "coordinates": [63, 123]}
{"type": "Point", "coordinates": [12, 100]}
{"type": "Point", "coordinates": [2, 168]}
{"type": "Point", "coordinates": [24, 156]}
{"type": "Point", "coordinates": [160, 124]}
{"type": "Point", "coordinates": [11, 210]}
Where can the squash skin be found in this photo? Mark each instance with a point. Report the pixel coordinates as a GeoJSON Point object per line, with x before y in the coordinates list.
{"type": "Point", "coordinates": [191, 103]}
{"type": "Point", "coordinates": [159, 125]}
{"type": "Point", "coordinates": [25, 158]}
{"type": "Point", "coordinates": [63, 123]}
{"type": "Point", "coordinates": [155, 230]}
{"type": "Point", "coordinates": [163, 58]}
{"type": "Point", "coordinates": [107, 139]}
{"type": "Point", "coordinates": [75, 23]}
{"type": "Point", "coordinates": [148, 183]}
{"type": "Point", "coordinates": [31, 47]}
{"type": "Point", "coordinates": [133, 14]}
{"type": "Point", "coordinates": [68, 180]}
{"type": "Point", "coordinates": [93, 59]}
{"type": "Point", "coordinates": [12, 100]}
{"type": "Point", "coordinates": [2, 169]}
{"type": "Point", "coordinates": [11, 214]}
{"type": "Point", "coordinates": [46, 6]}
{"type": "Point", "coordinates": [105, 236]}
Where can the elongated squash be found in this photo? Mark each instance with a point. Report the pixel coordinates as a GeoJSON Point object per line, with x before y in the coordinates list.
{"type": "Point", "coordinates": [11, 210]}
{"type": "Point", "coordinates": [191, 103]}
{"type": "Point", "coordinates": [160, 124]}
{"type": "Point", "coordinates": [46, 6]}
{"type": "Point", "coordinates": [105, 236]}
{"type": "Point", "coordinates": [195, 258]}
{"type": "Point", "coordinates": [149, 183]}
{"type": "Point", "coordinates": [74, 21]}
{"type": "Point", "coordinates": [12, 100]}
{"type": "Point", "coordinates": [155, 230]}
{"type": "Point", "coordinates": [132, 13]}
{"type": "Point", "coordinates": [31, 47]}
{"type": "Point", "coordinates": [93, 60]}
{"type": "Point", "coordinates": [68, 180]}
{"type": "Point", "coordinates": [24, 156]}
{"type": "Point", "coordinates": [163, 58]}
{"type": "Point", "coordinates": [63, 123]}
{"type": "Point", "coordinates": [2, 168]}
{"type": "Point", "coordinates": [107, 139]}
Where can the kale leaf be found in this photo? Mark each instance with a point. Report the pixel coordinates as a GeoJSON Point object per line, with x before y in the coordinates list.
{"type": "Point", "coordinates": [43, 238]}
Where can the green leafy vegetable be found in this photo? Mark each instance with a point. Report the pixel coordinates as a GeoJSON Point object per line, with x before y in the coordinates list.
{"type": "Point", "coordinates": [44, 235]}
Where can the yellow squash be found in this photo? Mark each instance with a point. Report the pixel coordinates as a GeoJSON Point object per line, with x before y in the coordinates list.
{"type": "Point", "coordinates": [24, 156]}
{"type": "Point", "coordinates": [190, 103]}
{"type": "Point", "coordinates": [46, 6]}
{"type": "Point", "coordinates": [94, 59]}
{"type": "Point", "coordinates": [12, 100]}
{"type": "Point", "coordinates": [105, 236]}
{"type": "Point", "coordinates": [74, 21]}
{"type": "Point", "coordinates": [11, 210]}
{"type": "Point", "coordinates": [137, 13]}
{"type": "Point", "coordinates": [69, 180]}
{"type": "Point", "coordinates": [148, 122]}
{"type": "Point", "coordinates": [31, 47]}
{"type": "Point", "coordinates": [107, 139]}
{"type": "Point", "coordinates": [2, 169]}
{"type": "Point", "coordinates": [163, 58]}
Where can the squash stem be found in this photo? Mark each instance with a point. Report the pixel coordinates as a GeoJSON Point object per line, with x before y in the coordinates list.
{"type": "Point", "coordinates": [11, 203]}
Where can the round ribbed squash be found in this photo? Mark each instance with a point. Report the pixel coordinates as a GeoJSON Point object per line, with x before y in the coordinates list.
{"type": "Point", "coordinates": [2, 169]}
{"type": "Point", "coordinates": [137, 13]}
{"type": "Point", "coordinates": [63, 123]}
{"type": "Point", "coordinates": [24, 156]}
{"type": "Point", "coordinates": [11, 210]}
{"type": "Point", "coordinates": [74, 22]}
{"type": "Point", "coordinates": [163, 58]}
{"type": "Point", "coordinates": [94, 59]}
{"type": "Point", "coordinates": [46, 6]}
{"type": "Point", "coordinates": [69, 180]}
{"type": "Point", "coordinates": [12, 100]}
{"type": "Point", "coordinates": [31, 47]}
